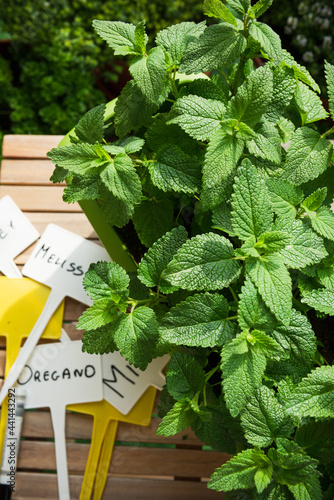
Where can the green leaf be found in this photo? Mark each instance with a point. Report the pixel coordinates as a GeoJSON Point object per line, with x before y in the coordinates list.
{"type": "Point", "coordinates": [314, 396]}
{"type": "Point", "coordinates": [117, 212]}
{"type": "Point", "coordinates": [174, 170]}
{"type": "Point", "coordinates": [140, 37]}
{"type": "Point", "coordinates": [209, 89]}
{"type": "Point", "coordinates": [266, 144]}
{"type": "Point", "coordinates": [175, 39]}
{"type": "Point", "coordinates": [100, 341]}
{"type": "Point", "coordinates": [216, 431]}
{"type": "Point", "coordinates": [240, 6]}
{"type": "Point", "coordinates": [284, 197]}
{"type": "Point", "coordinates": [300, 72]}
{"type": "Point", "coordinates": [308, 490]}
{"type": "Point", "coordinates": [205, 262]}
{"type": "Point", "coordinates": [323, 222]}
{"type": "Point", "coordinates": [308, 156]}
{"type": "Point", "coordinates": [325, 274]}
{"type": "Point", "coordinates": [121, 178]}
{"type": "Point", "coordinates": [264, 344]}
{"type": "Point", "coordinates": [118, 35]}
{"type": "Point", "coordinates": [135, 336]}
{"type": "Point", "coordinates": [321, 300]}
{"type": "Point", "coordinates": [243, 367]}
{"type": "Point", "coordinates": [90, 128]}
{"type": "Point", "coordinates": [261, 6]}
{"type": "Point", "coordinates": [106, 280]}
{"type": "Point", "coordinates": [252, 213]}
{"type": "Point", "coordinates": [177, 419]}
{"type": "Point", "coordinates": [252, 311]}
{"type": "Point", "coordinates": [197, 116]}
{"type": "Point", "coordinates": [152, 219]}
{"type": "Point", "coordinates": [315, 199]}
{"type": "Point", "coordinates": [219, 46]}
{"type": "Point", "coordinates": [103, 311]}
{"type": "Point", "coordinates": [158, 257]}
{"type": "Point", "coordinates": [253, 97]}
{"type": "Point", "coordinates": [286, 129]}
{"type": "Point", "coordinates": [269, 41]}
{"type": "Point", "coordinates": [329, 74]}
{"type": "Point", "coordinates": [309, 104]}
{"type": "Point", "coordinates": [185, 376]}
{"type": "Point", "coordinates": [273, 281]}
{"type": "Point", "coordinates": [216, 8]}
{"type": "Point", "coordinates": [221, 159]}
{"type": "Point", "coordinates": [239, 471]}
{"type": "Point", "coordinates": [317, 439]}
{"type": "Point", "coordinates": [305, 247]}
{"type": "Point", "coordinates": [264, 419]}
{"type": "Point", "coordinates": [221, 218]}
{"type": "Point", "coordinates": [272, 241]}
{"type": "Point", "coordinates": [82, 188]}
{"type": "Point", "coordinates": [77, 158]}
{"type": "Point", "coordinates": [149, 74]}
{"type": "Point", "coordinates": [201, 320]}
{"type": "Point", "coordinates": [130, 144]}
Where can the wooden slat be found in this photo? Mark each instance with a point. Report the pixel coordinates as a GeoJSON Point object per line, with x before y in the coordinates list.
{"type": "Point", "coordinates": [39, 198]}
{"type": "Point", "coordinates": [76, 222]}
{"type": "Point", "coordinates": [26, 172]}
{"type": "Point", "coordinates": [44, 486]}
{"type": "Point", "coordinates": [29, 146]}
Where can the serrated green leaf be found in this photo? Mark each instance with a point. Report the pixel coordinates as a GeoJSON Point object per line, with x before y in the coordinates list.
{"type": "Point", "coordinates": [266, 144]}
{"type": "Point", "coordinates": [305, 247]}
{"type": "Point", "coordinates": [269, 40]}
{"type": "Point", "coordinates": [309, 104]}
{"type": "Point", "coordinates": [82, 188]}
{"type": "Point", "coordinates": [252, 214]}
{"type": "Point", "coordinates": [284, 197]}
{"type": "Point", "coordinates": [121, 178]}
{"type": "Point", "coordinates": [197, 116]}
{"type": "Point", "coordinates": [149, 74]}
{"type": "Point", "coordinates": [141, 38]}
{"type": "Point", "coordinates": [185, 376]}
{"type": "Point", "coordinates": [90, 128]}
{"type": "Point", "coordinates": [253, 97]}
{"type": "Point", "coordinates": [252, 311]}
{"type": "Point", "coordinates": [263, 477]}
{"type": "Point", "coordinates": [221, 218]}
{"type": "Point", "coordinates": [240, 6]}
{"type": "Point", "coordinates": [329, 74]}
{"type": "Point", "coordinates": [321, 300]}
{"type": "Point", "coordinates": [286, 129]}
{"type": "Point", "coordinates": [216, 8]}
{"type": "Point", "coordinates": [242, 368]}
{"type": "Point", "coordinates": [215, 432]}
{"type": "Point", "coordinates": [300, 71]}
{"type": "Point", "coordinates": [209, 89]}
{"type": "Point", "coordinates": [273, 281]}
{"type": "Point", "coordinates": [205, 262]}
{"type": "Point", "coordinates": [272, 241]}
{"type": "Point", "coordinates": [117, 212]}
{"type": "Point", "coordinates": [261, 6]}
{"type": "Point", "coordinates": [177, 419]}
{"type": "Point", "coordinates": [118, 35]}
{"type": "Point", "coordinates": [317, 439]}
{"type": "Point", "coordinates": [218, 46]}
{"type": "Point", "coordinates": [323, 222]}
{"type": "Point", "coordinates": [158, 257]}
{"type": "Point", "coordinates": [314, 396]}
{"type": "Point", "coordinates": [175, 39]}
{"type": "Point", "coordinates": [77, 158]}
{"type": "Point", "coordinates": [201, 320]}
{"type": "Point", "coordinates": [100, 341]}
{"type": "Point", "coordinates": [103, 311]}
{"type": "Point", "coordinates": [325, 272]}
{"type": "Point", "coordinates": [239, 471]}
{"type": "Point", "coordinates": [130, 144]}
{"type": "Point", "coordinates": [315, 199]}
{"type": "Point", "coordinates": [135, 336]}
{"type": "Point", "coordinates": [264, 419]}
{"type": "Point", "coordinates": [274, 492]}
{"type": "Point", "coordinates": [264, 344]}
{"type": "Point", "coordinates": [106, 280]}
{"type": "Point", "coordinates": [221, 159]}
{"type": "Point", "coordinates": [174, 170]}
{"type": "Point", "coordinates": [308, 490]}
{"type": "Point", "coordinates": [59, 175]}
{"type": "Point", "coordinates": [308, 156]}
{"type": "Point", "coordinates": [152, 219]}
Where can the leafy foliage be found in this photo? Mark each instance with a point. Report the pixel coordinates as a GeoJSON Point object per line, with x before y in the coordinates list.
{"type": "Point", "coordinates": [240, 242]}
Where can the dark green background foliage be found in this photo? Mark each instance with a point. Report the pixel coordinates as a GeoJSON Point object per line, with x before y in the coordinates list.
{"type": "Point", "coordinates": [47, 72]}
{"type": "Point", "coordinates": [239, 236]}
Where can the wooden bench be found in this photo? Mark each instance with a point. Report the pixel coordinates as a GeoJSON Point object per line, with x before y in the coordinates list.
{"type": "Point", "coordinates": [143, 465]}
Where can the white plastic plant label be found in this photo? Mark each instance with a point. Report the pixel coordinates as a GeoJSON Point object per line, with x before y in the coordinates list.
{"type": "Point", "coordinates": [56, 375]}
{"type": "Point", "coordinates": [59, 260]}
{"type": "Point", "coordinates": [16, 234]}
{"type": "Point", "coordinates": [123, 384]}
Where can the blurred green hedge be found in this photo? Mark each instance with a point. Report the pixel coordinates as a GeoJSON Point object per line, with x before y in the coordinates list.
{"type": "Point", "coordinates": [47, 71]}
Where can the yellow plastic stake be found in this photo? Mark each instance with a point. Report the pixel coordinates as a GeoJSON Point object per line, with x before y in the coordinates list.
{"type": "Point", "coordinates": [22, 301]}
{"type": "Point", "coordinates": [105, 422]}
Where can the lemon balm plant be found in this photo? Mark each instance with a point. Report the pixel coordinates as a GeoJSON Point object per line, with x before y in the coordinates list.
{"type": "Point", "coordinates": [228, 183]}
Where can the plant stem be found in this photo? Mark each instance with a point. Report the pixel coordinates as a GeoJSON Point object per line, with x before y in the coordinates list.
{"type": "Point", "coordinates": [233, 293]}
{"type": "Point", "coordinates": [330, 131]}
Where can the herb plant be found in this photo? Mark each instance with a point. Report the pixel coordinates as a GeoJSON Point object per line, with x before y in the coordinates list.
{"type": "Point", "coordinates": [228, 182]}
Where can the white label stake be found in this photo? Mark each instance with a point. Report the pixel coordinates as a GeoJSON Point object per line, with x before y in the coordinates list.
{"type": "Point", "coordinates": [56, 375]}
{"type": "Point", "coordinates": [16, 234]}
{"type": "Point", "coordinates": [59, 260]}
